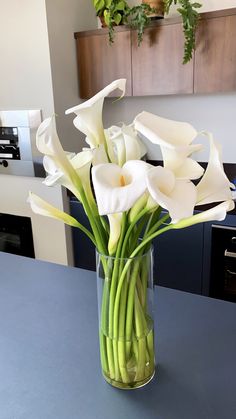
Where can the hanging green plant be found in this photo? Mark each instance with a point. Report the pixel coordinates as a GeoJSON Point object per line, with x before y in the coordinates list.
{"type": "Point", "coordinates": [190, 18]}
{"type": "Point", "coordinates": [118, 12]}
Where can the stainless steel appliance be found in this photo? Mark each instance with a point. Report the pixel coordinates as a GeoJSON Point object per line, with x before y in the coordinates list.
{"type": "Point", "coordinates": [18, 153]}
{"type": "Point", "coordinates": [223, 263]}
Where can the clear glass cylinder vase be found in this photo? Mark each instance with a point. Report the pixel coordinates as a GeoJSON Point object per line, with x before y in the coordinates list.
{"type": "Point", "coordinates": [125, 308]}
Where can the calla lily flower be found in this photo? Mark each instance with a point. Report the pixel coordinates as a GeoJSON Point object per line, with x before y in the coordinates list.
{"type": "Point", "coordinates": [80, 162]}
{"type": "Point", "coordinates": [39, 206]}
{"type": "Point", "coordinates": [124, 144]}
{"type": "Point", "coordinates": [116, 188]}
{"type": "Point", "coordinates": [214, 185]}
{"type": "Point", "coordinates": [217, 213]}
{"type": "Point", "coordinates": [48, 143]}
{"type": "Point", "coordinates": [174, 139]}
{"type": "Point", "coordinates": [176, 196]}
{"type": "Point", "coordinates": [99, 154]}
{"type": "Point", "coordinates": [115, 229]}
{"type": "Point", "coordinates": [89, 114]}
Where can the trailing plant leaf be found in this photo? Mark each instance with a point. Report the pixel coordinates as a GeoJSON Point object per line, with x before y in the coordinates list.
{"type": "Point", "coordinates": [190, 17]}
{"type": "Point", "coordinates": [139, 18]}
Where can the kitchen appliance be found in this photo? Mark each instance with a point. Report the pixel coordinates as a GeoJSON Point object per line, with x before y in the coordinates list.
{"type": "Point", "coordinates": [18, 153]}
{"type": "Point", "coordinates": [16, 235]}
{"type": "Point", "coordinates": [223, 263]}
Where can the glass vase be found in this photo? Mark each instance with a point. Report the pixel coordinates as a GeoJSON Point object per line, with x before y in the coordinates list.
{"type": "Point", "coordinates": [125, 307]}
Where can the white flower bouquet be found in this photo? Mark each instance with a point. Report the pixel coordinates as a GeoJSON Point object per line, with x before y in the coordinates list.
{"type": "Point", "coordinates": [128, 203]}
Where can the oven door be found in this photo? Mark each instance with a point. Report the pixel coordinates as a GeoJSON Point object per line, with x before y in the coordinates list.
{"type": "Point", "coordinates": [223, 263]}
{"type": "Point", "coordinates": [16, 235]}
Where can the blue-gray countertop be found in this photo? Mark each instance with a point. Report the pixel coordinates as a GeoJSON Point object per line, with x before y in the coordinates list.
{"type": "Point", "coordinates": [49, 352]}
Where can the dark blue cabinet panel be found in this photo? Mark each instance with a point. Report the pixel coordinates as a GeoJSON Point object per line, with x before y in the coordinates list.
{"type": "Point", "coordinates": [178, 259]}
{"type": "Point", "coordinates": [84, 250]}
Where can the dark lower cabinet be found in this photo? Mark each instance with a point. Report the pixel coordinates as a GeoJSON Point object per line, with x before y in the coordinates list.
{"type": "Point", "coordinates": [183, 259]}
{"type": "Point", "coordinates": [84, 250]}
{"type": "Point", "coordinates": [219, 259]}
{"type": "Point", "coordinates": [178, 259]}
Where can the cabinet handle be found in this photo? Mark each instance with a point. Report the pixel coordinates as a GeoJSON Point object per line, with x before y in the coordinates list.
{"type": "Point", "coordinates": [230, 254]}
{"type": "Point", "coordinates": [231, 272]}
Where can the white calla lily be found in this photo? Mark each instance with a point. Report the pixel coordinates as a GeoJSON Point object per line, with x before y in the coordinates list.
{"type": "Point", "coordinates": [176, 159]}
{"type": "Point", "coordinates": [116, 188]}
{"type": "Point", "coordinates": [81, 163]}
{"type": "Point", "coordinates": [39, 206]}
{"type": "Point", "coordinates": [214, 185]}
{"type": "Point", "coordinates": [124, 144]}
{"type": "Point", "coordinates": [99, 154]}
{"type": "Point", "coordinates": [89, 114]}
{"type": "Point", "coordinates": [217, 213]}
{"type": "Point", "coordinates": [115, 229]}
{"type": "Point", "coordinates": [176, 196]}
{"type": "Point", "coordinates": [174, 139]}
{"type": "Point", "coordinates": [164, 131]}
{"type": "Point", "coordinates": [48, 143]}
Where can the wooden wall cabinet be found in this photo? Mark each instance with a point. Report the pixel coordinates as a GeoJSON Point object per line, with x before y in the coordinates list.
{"type": "Point", "coordinates": [99, 63]}
{"type": "Point", "coordinates": [155, 68]}
{"type": "Point", "coordinates": [215, 55]}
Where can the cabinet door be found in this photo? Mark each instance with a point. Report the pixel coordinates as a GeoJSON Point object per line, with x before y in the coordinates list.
{"type": "Point", "coordinates": [157, 63]}
{"type": "Point", "coordinates": [100, 63]}
{"type": "Point", "coordinates": [215, 55]}
{"type": "Point", "coordinates": [178, 259]}
{"type": "Point", "coordinates": [84, 249]}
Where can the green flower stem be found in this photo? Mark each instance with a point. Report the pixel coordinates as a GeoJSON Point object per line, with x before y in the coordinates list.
{"type": "Point", "coordinates": [110, 358]}
{"type": "Point", "coordinates": [130, 301]}
{"type": "Point", "coordinates": [140, 333]}
{"type": "Point", "coordinates": [145, 241]}
{"type": "Point", "coordinates": [157, 225]}
{"type": "Point", "coordinates": [144, 282]}
{"type": "Point", "coordinates": [116, 363]}
{"type": "Point", "coordinates": [121, 339]}
{"type": "Point", "coordinates": [140, 290]}
{"type": "Point", "coordinates": [137, 233]}
{"type": "Point", "coordinates": [86, 231]}
{"type": "Point", "coordinates": [129, 231]}
{"type": "Point", "coordinates": [153, 219]}
{"type": "Point", "coordinates": [103, 351]}
{"type": "Point", "coordinates": [150, 345]}
{"type": "Point", "coordinates": [98, 232]}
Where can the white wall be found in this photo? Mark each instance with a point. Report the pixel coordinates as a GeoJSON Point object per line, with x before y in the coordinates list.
{"type": "Point", "coordinates": [207, 5]}
{"type": "Point", "coordinates": [210, 5]}
{"type": "Point", "coordinates": [68, 17]}
{"type": "Point", "coordinates": [25, 75]}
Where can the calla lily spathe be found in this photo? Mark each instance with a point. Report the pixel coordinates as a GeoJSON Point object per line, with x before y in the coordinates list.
{"type": "Point", "coordinates": [115, 229]}
{"type": "Point", "coordinates": [80, 162]}
{"type": "Point", "coordinates": [214, 185]}
{"type": "Point", "coordinates": [57, 161]}
{"type": "Point", "coordinates": [217, 213]}
{"type": "Point", "coordinates": [178, 197]}
{"type": "Point", "coordinates": [123, 144]}
{"type": "Point", "coordinates": [39, 206]}
{"type": "Point", "coordinates": [116, 188]}
{"type": "Point", "coordinates": [89, 114]}
{"type": "Point", "coordinates": [174, 139]}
